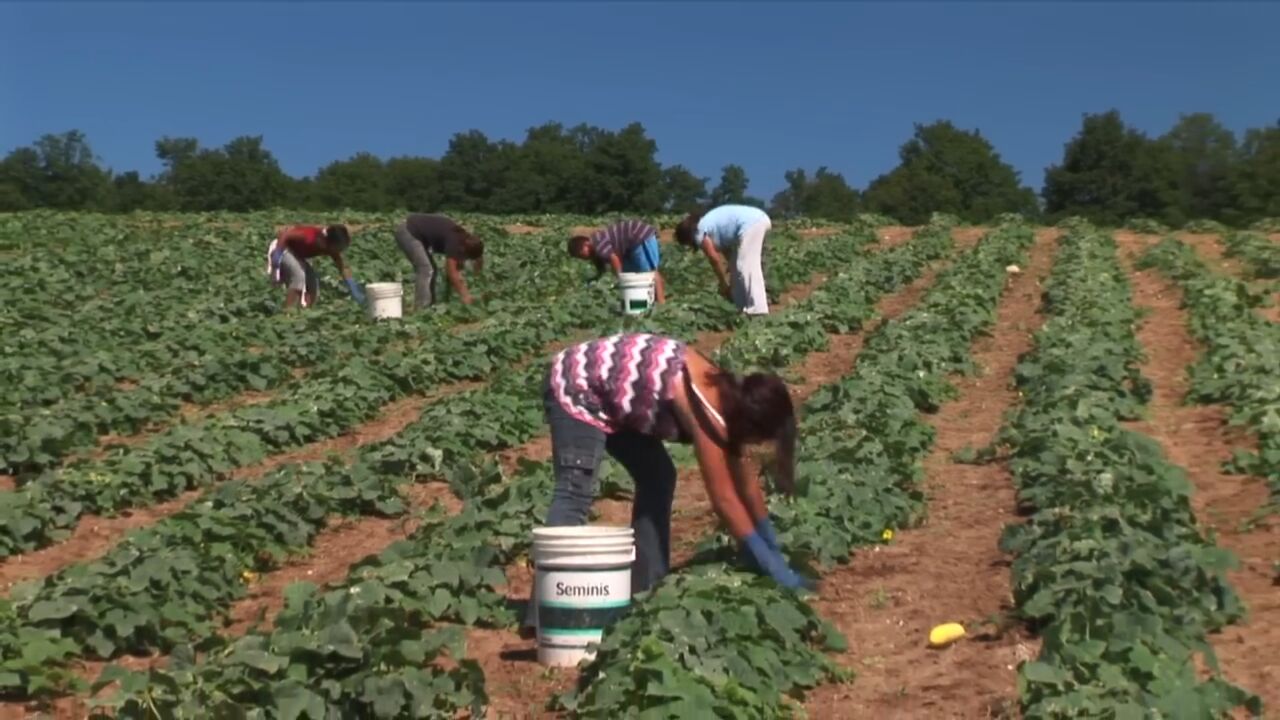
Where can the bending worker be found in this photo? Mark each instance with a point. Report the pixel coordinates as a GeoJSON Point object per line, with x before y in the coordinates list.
{"type": "Point", "coordinates": [422, 236]}
{"type": "Point", "coordinates": [739, 232]}
{"type": "Point", "coordinates": [288, 254]}
{"type": "Point", "coordinates": [627, 246]}
{"type": "Point", "coordinates": [625, 395]}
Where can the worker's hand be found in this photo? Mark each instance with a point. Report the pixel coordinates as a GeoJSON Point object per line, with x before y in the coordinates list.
{"type": "Point", "coordinates": [354, 288]}
{"type": "Point", "coordinates": [725, 292]}
{"type": "Point", "coordinates": [770, 562]}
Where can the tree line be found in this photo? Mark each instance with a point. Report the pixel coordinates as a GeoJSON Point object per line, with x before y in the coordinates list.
{"type": "Point", "coordinates": [1109, 172]}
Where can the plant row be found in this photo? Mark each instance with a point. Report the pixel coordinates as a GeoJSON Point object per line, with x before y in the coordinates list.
{"type": "Point", "coordinates": [1241, 360]}
{"type": "Point", "coordinates": [1257, 252]}
{"type": "Point", "coordinates": [1109, 569]}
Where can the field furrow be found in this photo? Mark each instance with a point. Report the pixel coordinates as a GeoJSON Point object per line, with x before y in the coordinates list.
{"type": "Point", "coordinates": [949, 568]}
{"type": "Point", "coordinates": [1197, 438]}
{"type": "Point", "coordinates": [1109, 568]}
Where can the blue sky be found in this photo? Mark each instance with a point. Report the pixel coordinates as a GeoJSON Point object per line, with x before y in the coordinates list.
{"type": "Point", "coordinates": [769, 86]}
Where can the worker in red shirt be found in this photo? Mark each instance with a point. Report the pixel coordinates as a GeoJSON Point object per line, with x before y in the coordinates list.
{"type": "Point", "coordinates": [288, 255]}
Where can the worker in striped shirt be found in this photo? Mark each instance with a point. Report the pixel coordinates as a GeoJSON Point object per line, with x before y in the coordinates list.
{"type": "Point", "coordinates": [629, 246]}
{"type": "Point", "coordinates": [624, 396]}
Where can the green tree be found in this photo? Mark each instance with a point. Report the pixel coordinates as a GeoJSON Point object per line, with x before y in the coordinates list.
{"type": "Point", "coordinates": [622, 173]}
{"type": "Point", "coordinates": [546, 173]}
{"type": "Point", "coordinates": [945, 169]}
{"type": "Point", "coordinates": [1256, 181]}
{"type": "Point", "coordinates": [473, 172]}
{"type": "Point", "coordinates": [732, 189]}
{"type": "Point", "coordinates": [413, 183]}
{"type": "Point", "coordinates": [1110, 173]}
{"type": "Point", "coordinates": [825, 195]}
{"type": "Point", "coordinates": [357, 183]}
{"type": "Point", "coordinates": [682, 191]}
{"type": "Point", "coordinates": [130, 192]}
{"type": "Point", "coordinates": [20, 180]}
{"type": "Point", "coordinates": [239, 177]}
{"type": "Point", "coordinates": [58, 171]}
{"type": "Point", "coordinates": [1203, 152]}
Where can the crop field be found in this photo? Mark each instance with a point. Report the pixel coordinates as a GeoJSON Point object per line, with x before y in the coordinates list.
{"type": "Point", "coordinates": [1067, 439]}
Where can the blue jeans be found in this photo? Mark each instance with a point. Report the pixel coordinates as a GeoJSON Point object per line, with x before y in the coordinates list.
{"type": "Point", "coordinates": [644, 258]}
{"type": "Point", "coordinates": [577, 449]}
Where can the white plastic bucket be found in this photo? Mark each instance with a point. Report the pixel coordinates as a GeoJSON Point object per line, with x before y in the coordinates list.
{"type": "Point", "coordinates": [385, 299]}
{"type": "Point", "coordinates": [638, 294]}
{"type": "Point", "coordinates": [582, 583]}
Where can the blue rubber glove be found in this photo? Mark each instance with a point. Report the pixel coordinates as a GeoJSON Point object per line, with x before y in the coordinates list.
{"type": "Point", "coordinates": [355, 290]}
{"type": "Point", "coordinates": [772, 563]}
{"type": "Point", "coordinates": [764, 529]}
{"type": "Point", "coordinates": [276, 257]}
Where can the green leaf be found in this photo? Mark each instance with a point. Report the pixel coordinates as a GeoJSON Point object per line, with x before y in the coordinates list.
{"type": "Point", "coordinates": [294, 701]}
{"type": "Point", "coordinates": [1041, 672]}
{"type": "Point", "coordinates": [58, 609]}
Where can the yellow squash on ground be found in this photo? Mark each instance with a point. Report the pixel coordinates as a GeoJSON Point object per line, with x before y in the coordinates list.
{"type": "Point", "coordinates": [945, 634]}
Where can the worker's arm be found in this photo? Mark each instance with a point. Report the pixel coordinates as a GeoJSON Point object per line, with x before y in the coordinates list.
{"type": "Point", "coordinates": [343, 269]}
{"type": "Point", "coordinates": [718, 263]}
{"type": "Point", "coordinates": [660, 288]}
{"type": "Point", "coordinates": [743, 513]}
{"type": "Point", "coordinates": [714, 462]}
{"type": "Point", "coordinates": [453, 269]}
{"type": "Point", "coordinates": [616, 262]}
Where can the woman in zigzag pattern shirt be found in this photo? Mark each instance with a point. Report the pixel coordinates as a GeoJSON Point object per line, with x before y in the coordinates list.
{"type": "Point", "coordinates": [626, 394]}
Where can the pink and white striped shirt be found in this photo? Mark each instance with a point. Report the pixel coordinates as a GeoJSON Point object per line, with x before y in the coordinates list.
{"type": "Point", "coordinates": [621, 382]}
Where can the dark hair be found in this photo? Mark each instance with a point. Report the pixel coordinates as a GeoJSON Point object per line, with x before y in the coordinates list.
{"type": "Point", "coordinates": [472, 247]}
{"type": "Point", "coordinates": [756, 408]}
{"type": "Point", "coordinates": [337, 237]}
{"type": "Point", "coordinates": [687, 230]}
{"type": "Point", "coordinates": [577, 243]}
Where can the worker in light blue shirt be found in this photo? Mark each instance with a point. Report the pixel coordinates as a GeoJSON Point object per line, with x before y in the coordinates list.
{"type": "Point", "coordinates": [738, 232]}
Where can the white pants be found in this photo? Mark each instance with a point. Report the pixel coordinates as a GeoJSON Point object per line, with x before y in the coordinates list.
{"type": "Point", "coordinates": [747, 281]}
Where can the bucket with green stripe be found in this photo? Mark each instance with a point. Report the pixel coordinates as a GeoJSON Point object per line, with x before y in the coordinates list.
{"type": "Point", "coordinates": [582, 584]}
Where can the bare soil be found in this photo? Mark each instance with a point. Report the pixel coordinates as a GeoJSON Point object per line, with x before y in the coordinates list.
{"type": "Point", "coordinates": [1197, 438]}
{"type": "Point", "coordinates": [950, 568]}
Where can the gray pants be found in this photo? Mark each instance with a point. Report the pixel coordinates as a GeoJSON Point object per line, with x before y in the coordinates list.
{"type": "Point", "coordinates": [298, 275]}
{"type": "Point", "coordinates": [577, 450]}
{"type": "Point", "coordinates": [424, 267]}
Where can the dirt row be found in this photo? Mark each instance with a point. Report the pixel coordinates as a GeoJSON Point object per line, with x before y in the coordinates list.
{"type": "Point", "coordinates": [1197, 438]}
{"type": "Point", "coordinates": [1212, 251]}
